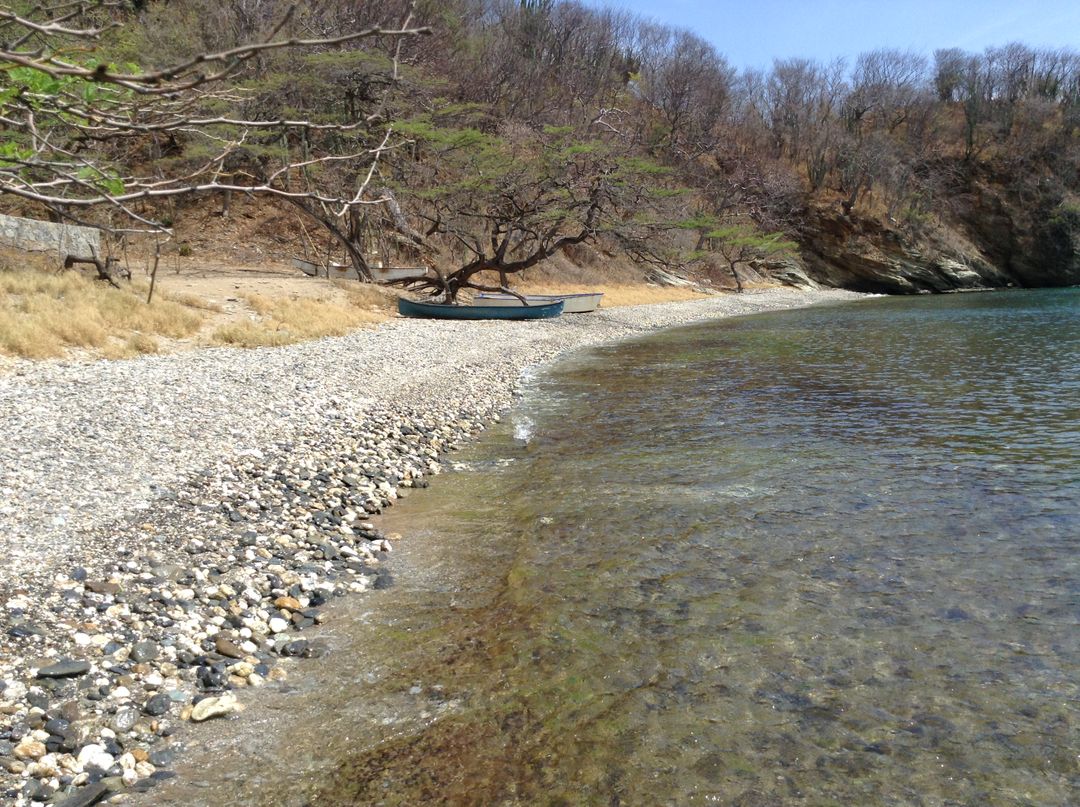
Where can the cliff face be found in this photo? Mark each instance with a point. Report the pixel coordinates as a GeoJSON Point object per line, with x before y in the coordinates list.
{"type": "Point", "coordinates": [991, 236]}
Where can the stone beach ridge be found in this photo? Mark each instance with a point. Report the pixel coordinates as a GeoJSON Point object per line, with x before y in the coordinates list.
{"type": "Point", "coordinates": [169, 526]}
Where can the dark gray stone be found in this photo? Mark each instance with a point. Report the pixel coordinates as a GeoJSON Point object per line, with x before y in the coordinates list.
{"type": "Point", "coordinates": [20, 630]}
{"type": "Point", "coordinates": [85, 797]}
{"type": "Point", "coordinates": [66, 668]}
{"type": "Point", "coordinates": [143, 651]}
{"type": "Point", "coordinates": [57, 725]}
{"type": "Point", "coordinates": [163, 758]}
{"type": "Point", "coordinates": [157, 705]}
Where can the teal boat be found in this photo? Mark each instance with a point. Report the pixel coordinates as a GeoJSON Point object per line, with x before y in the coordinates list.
{"type": "Point", "coordinates": [411, 308]}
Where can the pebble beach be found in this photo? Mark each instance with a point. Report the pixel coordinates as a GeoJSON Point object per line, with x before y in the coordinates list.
{"type": "Point", "coordinates": [171, 525]}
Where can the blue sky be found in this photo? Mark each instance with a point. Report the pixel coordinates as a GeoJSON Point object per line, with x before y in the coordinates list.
{"type": "Point", "coordinates": [751, 33]}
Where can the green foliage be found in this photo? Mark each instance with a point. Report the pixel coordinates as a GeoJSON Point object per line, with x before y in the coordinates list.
{"type": "Point", "coordinates": [37, 89]}
{"type": "Point", "coordinates": [445, 139]}
{"type": "Point", "coordinates": [14, 151]}
{"type": "Point", "coordinates": [26, 88]}
{"type": "Point", "coordinates": [1066, 218]}
{"type": "Point", "coordinates": [637, 166]}
{"type": "Point", "coordinates": [701, 221]}
{"type": "Point", "coordinates": [332, 61]}
{"type": "Point", "coordinates": [739, 238]}
{"type": "Point", "coordinates": [106, 181]}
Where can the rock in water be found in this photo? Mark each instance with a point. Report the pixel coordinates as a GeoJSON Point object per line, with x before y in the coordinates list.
{"type": "Point", "coordinates": [86, 796]}
{"type": "Point", "coordinates": [287, 603]}
{"type": "Point", "coordinates": [278, 625]}
{"type": "Point", "coordinates": [215, 707]}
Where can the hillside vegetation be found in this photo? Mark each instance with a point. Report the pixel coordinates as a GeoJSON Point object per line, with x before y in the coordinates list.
{"type": "Point", "coordinates": [509, 132]}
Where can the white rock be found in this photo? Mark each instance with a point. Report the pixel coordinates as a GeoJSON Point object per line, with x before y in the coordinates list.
{"type": "Point", "coordinates": [215, 707]}
{"type": "Point", "coordinates": [70, 764]}
{"type": "Point", "coordinates": [41, 770]}
{"type": "Point", "coordinates": [278, 625]}
{"type": "Point", "coordinates": [95, 756]}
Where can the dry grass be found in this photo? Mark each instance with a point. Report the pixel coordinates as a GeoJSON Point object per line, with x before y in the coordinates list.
{"type": "Point", "coordinates": [46, 314]}
{"type": "Point", "coordinates": [193, 301]}
{"type": "Point", "coordinates": [616, 296]}
{"type": "Point", "coordinates": [283, 321]}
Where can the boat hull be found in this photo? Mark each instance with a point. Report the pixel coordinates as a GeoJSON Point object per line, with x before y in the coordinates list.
{"type": "Point", "coordinates": [307, 267]}
{"type": "Point", "coordinates": [572, 303]}
{"type": "Point", "coordinates": [384, 274]}
{"type": "Point", "coordinates": [337, 271]}
{"type": "Point", "coordinates": [411, 308]}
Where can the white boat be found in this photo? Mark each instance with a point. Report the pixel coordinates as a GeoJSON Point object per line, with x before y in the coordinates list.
{"type": "Point", "coordinates": [340, 271]}
{"type": "Point", "coordinates": [307, 267]}
{"type": "Point", "coordinates": [334, 270]}
{"type": "Point", "coordinates": [388, 274]}
{"type": "Point", "coordinates": [572, 303]}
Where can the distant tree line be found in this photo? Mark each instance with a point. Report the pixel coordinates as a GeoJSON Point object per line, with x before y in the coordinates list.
{"type": "Point", "coordinates": [521, 126]}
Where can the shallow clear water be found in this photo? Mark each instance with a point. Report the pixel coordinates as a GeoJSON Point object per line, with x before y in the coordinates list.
{"type": "Point", "coordinates": [809, 558]}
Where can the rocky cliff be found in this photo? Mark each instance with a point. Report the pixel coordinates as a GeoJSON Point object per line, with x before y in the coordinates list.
{"type": "Point", "coordinates": [987, 235]}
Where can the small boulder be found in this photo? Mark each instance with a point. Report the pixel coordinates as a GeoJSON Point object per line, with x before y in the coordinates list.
{"type": "Point", "coordinates": [220, 706]}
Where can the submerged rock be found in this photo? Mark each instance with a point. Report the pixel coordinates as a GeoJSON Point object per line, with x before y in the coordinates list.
{"type": "Point", "coordinates": [220, 706]}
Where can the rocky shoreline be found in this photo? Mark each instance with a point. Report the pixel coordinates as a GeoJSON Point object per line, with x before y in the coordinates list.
{"type": "Point", "coordinates": [170, 526]}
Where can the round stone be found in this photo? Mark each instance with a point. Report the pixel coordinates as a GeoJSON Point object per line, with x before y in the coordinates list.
{"type": "Point", "coordinates": [143, 651]}
{"type": "Point", "coordinates": [125, 719]}
{"type": "Point", "coordinates": [220, 706]}
{"type": "Point", "coordinates": [278, 625]}
{"type": "Point", "coordinates": [157, 705]}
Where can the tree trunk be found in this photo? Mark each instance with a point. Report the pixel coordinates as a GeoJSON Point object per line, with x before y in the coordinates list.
{"type": "Point", "coordinates": [356, 257]}
{"type": "Point", "coordinates": [738, 280]}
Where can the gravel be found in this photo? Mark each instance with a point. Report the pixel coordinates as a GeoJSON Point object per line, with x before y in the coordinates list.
{"type": "Point", "coordinates": [169, 524]}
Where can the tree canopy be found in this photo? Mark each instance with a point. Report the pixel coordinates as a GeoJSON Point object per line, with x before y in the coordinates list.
{"type": "Point", "coordinates": [83, 131]}
{"type": "Point", "coordinates": [513, 130]}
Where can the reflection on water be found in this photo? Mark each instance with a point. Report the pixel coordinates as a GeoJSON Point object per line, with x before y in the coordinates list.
{"type": "Point", "coordinates": [812, 558]}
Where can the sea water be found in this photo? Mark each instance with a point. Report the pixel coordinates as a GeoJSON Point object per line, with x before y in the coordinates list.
{"type": "Point", "coordinates": [817, 557]}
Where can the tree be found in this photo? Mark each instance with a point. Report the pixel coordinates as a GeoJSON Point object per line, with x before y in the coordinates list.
{"type": "Point", "coordinates": [887, 84]}
{"type": "Point", "coordinates": [734, 241]}
{"type": "Point", "coordinates": [83, 132]}
{"type": "Point", "coordinates": [502, 203]}
{"type": "Point", "coordinates": [688, 84]}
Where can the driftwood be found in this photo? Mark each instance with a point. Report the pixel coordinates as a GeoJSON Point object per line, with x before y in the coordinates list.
{"type": "Point", "coordinates": [107, 269]}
